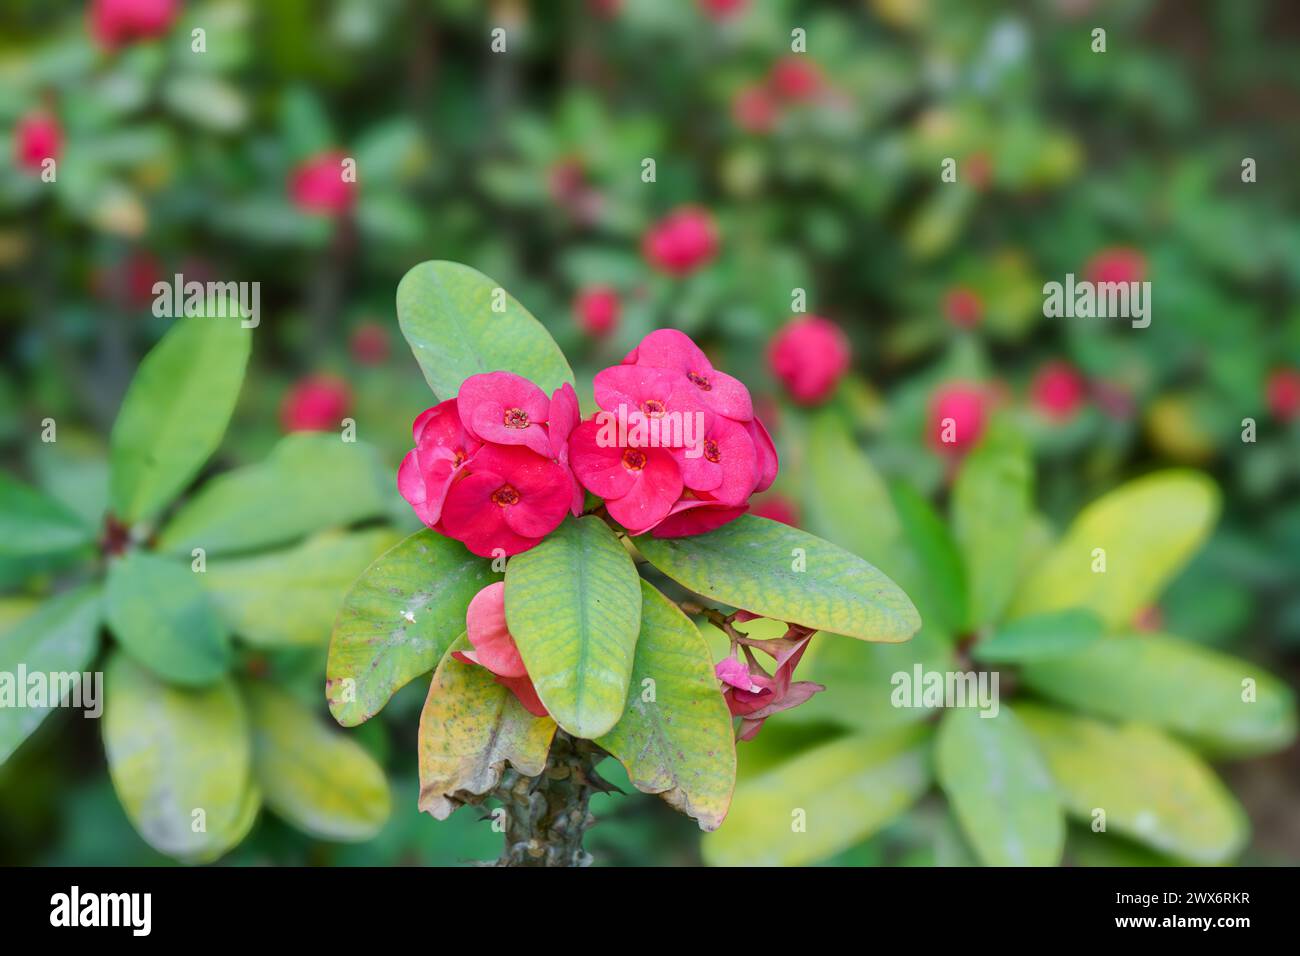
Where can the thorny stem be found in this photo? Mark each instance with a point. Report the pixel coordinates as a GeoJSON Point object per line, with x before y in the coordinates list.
{"type": "Point", "coordinates": [547, 815]}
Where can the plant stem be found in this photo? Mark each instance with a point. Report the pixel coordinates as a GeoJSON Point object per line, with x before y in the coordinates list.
{"type": "Point", "coordinates": [547, 815]}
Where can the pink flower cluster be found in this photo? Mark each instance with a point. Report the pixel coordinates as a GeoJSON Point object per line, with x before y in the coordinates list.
{"type": "Point", "coordinates": [490, 466]}
{"type": "Point", "coordinates": [701, 454]}
{"type": "Point", "coordinates": [117, 22]}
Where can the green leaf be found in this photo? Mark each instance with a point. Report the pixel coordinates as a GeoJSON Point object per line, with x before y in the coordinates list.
{"type": "Point", "coordinates": [59, 637]}
{"type": "Point", "coordinates": [573, 605]}
{"type": "Point", "coordinates": [991, 499]}
{"type": "Point", "coordinates": [1040, 636]}
{"type": "Point", "coordinates": [1148, 530]}
{"type": "Point", "coordinates": [175, 412]}
{"type": "Point", "coordinates": [309, 482]}
{"type": "Point", "coordinates": [1151, 789]}
{"type": "Point", "coordinates": [676, 737]}
{"type": "Point", "coordinates": [398, 620]}
{"type": "Point", "coordinates": [825, 800]}
{"type": "Point", "coordinates": [31, 523]}
{"type": "Point", "coordinates": [292, 597]}
{"type": "Point", "coordinates": [860, 679]}
{"type": "Point", "coordinates": [446, 312]}
{"type": "Point", "coordinates": [928, 565]}
{"type": "Point", "coordinates": [1000, 788]}
{"type": "Point", "coordinates": [178, 757]}
{"type": "Point", "coordinates": [470, 728]}
{"type": "Point", "coordinates": [316, 778]}
{"type": "Point", "coordinates": [159, 611]}
{"type": "Point", "coordinates": [1190, 690]}
{"type": "Point", "coordinates": [751, 563]}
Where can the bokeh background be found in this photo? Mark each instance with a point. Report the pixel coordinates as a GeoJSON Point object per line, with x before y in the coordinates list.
{"type": "Point", "coordinates": [820, 171]}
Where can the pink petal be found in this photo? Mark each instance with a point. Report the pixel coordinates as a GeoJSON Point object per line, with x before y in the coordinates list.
{"type": "Point", "coordinates": [485, 623]}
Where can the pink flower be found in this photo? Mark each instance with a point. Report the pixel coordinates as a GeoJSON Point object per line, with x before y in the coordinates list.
{"type": "Point", "coordinates": [957, 416]}
{"type": "Point", "coordinates": [692, 516]}
{"type": "Point", "coordinates": [1116, 264]}
{"type": "Point", "coordinates": [495, 648]}
{"type": "Point", "coordinates": [753, 694]}
{"type": "Point", "coordinates": [318, 186]}
{"type": "Point", "coordinates": [962, 307]}
{"type": "Point", "coordinates": [115, 22]}
{"type": "Point", "coordinates": [1058, 390]}
{"type": "Point", "coordinates": [596, 310]}
{"type": "Point", "coordinates": [754, 110]}
{"type": "Point", "coordinates": [507, 409]}
{"type": "Point", "coordinates": [509, 499]}
{"type": "Point", "coordinates": [674, 351]}
{"type": "Point", "coordinates": [37, 137]}
{"type": "Point", "coordinates": [682, 241]}
{"type": "Point", "coordinates": [1283, 392]}
{"type": "Point", "coordinates": [809, 356]}
{"type": "Point", "coordinates": [442, 448]}
{"type": "Point", "coordinates": [369, 344]}
{"type": "Point", "coordinates": [315, 404]}
{"type": "Point", "coordinates": [727, 467]}
{"type": "Point", "coordinates": [639, 485]}
{"type": "Point", "coordinates": [795, 78]}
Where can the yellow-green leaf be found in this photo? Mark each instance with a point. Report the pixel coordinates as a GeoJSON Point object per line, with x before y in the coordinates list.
{"type": "Point", "coordinates": [999, 787]}
{"type": "Point", "coordinates": [781, 572]}
{"type": "Point", "coordinates": [823, 800]}
{"type": "Point", "coordinates": [1148, 787]}
{"type": "Point", "coordinates": [1040, 636]}
{"type": "Point", "coordinates": [459, 323]}
{"type": "Point", "coordinates": [676, 737]}
{"type": "Point", "coordinates": [1224, 703]}
{"type": "Point", "coordinates": [1141, 534]}
{"type": "Point", "coordinates": [470, 728]}
{"type": "Point", "coordinates": [292, 597]}
{"type": "Point", "coordinates": [32, 523]}
{"type": "Point", "coordinates": [309, 482]}
{"type": "Point", "coordinates": [316, 778]}
{"type": "Point", "coordinates": [573, 605]}
{"type": "Point", "coordinates": [175, 412]}
{"type": "Point", "coordinates": [180, 760]}
{"type": "Point", "coordinates": [398, 620]}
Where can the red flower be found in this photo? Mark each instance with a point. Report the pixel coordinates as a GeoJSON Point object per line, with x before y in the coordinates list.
{"type": "Point", "coordinates": [753, 694]}
{"type": "Point", "coordinates": [115, 22]}
{"type": "Point", "coordinates": [495, 649]}
{"type": "Point", "coordinates": [1116, 264]}
{"type": "Point", "coordinates": [315, 404]}
{"type": "Point", "coordinates": [754, 110]}
{"type": "Point", "coordinates": [318, 186]}
{"type": "Point", "coordinates": [957, 416]}
{"type": "Point", "coordinates": [795, 78]}
{"type": "Point", "coordinates": [507, 409]}
{"type": "Point", "coordinates": [369, 343]}
{"type": "Point", "coordinates": [442, 448]}
{"type": "Point", "coordinates": [674, 351]}
{"type": "Point", "coordinates": [809, 356]}
{"type": "Point", "coordinates": [676, 449]}
{"type": "Point", "coordinates": [1284, 394]}
{"type": "Point", "coordinates": [1058, 390]}
{"type": "Point", "coordinates": [963, 308]}
{"type": "Point", "coordinates": [37, 137]}
{"type": "Point", "coordinates": [596, 310]}
{"type": "Point", "coordinates": [682, 241]}
{"type": "Point", "coordinates": [508, 499]}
